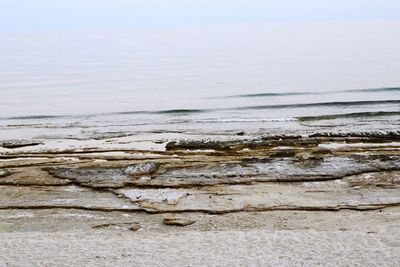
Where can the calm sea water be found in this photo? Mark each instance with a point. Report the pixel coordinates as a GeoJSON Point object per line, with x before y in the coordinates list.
{"type": "Point", "coordinates": [232, 74]}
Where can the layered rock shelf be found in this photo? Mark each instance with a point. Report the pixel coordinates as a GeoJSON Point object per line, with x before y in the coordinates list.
{"type": "Point", "coordinates": [319, 172]}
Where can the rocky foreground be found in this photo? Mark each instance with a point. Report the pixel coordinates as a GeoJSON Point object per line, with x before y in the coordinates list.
{"type": "Point", "coordinates": [322, 198]}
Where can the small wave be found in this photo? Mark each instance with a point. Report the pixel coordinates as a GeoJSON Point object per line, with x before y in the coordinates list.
{"type": "Point", "coordinates": [34, 117]}
{"type": "Point", "coordinates": [195, 111]}
{"type": "Point", "coordinates": [180, 111]}
{"type": "Point", "coordinates": [282, 106]}
{"type": "Point", "coordinates": [350, 115]}
{"type": "Point", "coordinates": [168, 111]}
{"type": "Point", "coordinates": [370, 90]}
{"type": "Point", "coordinates": [272, 94]}
{"type": "Point", "coordinates": [322, 104]}
{"type": "Point", "coordinates": [385, 89]}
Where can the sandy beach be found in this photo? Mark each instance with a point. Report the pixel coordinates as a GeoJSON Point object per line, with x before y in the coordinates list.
{"type": "Point", "coordinates": [199, 133]}
{"type": "Point", "coordinates": [260, 247]}
{"type": "Point", "coordinates": [322, 199]}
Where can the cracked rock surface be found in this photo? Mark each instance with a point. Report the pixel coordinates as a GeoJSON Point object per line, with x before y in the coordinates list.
{"type": "Point", "coordinates": [271, 173]}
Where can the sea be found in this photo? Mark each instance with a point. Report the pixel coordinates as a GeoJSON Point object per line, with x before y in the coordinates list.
{"type": "Point", "coordinates": [215, 79]}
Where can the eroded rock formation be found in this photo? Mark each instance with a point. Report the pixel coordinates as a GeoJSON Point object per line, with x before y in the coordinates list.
{"type": "Point", "coordinates": [315, 173]}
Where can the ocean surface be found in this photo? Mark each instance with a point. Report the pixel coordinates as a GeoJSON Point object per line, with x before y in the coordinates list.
{"type": "Point", "coordinates": [258, 77]}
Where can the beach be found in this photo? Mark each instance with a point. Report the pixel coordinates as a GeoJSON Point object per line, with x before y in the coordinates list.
{"type": "Point", "coordinates": [199, 248]}
{"type": "Point", "coordinates": [264, 144]}
{"type": "Point", "coordinates": [323, 199]}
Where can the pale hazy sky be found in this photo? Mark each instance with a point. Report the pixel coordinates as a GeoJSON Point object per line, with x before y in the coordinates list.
{"type": "Point", "coordinates": [29, 15]}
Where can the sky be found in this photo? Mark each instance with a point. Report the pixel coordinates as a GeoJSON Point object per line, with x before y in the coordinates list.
{"type": "Point", "coordinates": [39, 15]}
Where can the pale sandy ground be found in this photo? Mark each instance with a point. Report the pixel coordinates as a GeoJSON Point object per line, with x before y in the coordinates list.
{"type": "Point", "coordinates": [195, 248]}
{"type": "Point", "coordinates": [278, 238]}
